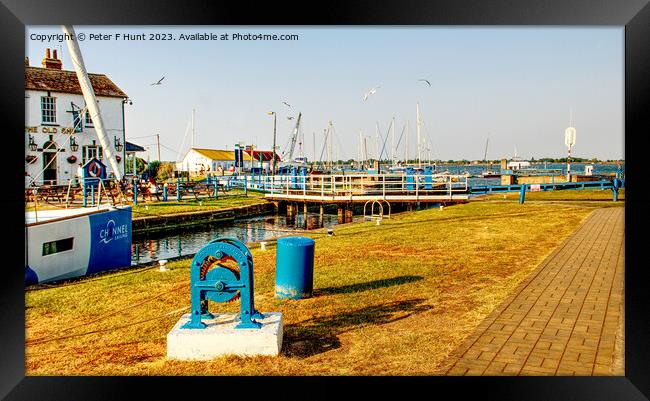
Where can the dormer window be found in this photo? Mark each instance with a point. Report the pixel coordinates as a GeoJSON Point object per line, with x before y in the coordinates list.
{"type": "Point", "coordinates": [48, 110]}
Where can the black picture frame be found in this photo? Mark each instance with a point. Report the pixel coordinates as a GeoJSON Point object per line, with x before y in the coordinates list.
{"type": "Point", "coordinates": [633, 14]}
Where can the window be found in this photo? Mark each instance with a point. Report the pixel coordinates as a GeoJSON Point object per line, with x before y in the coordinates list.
{"type": "Point", "coordinates": [61, 245]}
{"type": "Point", "coordinates": [90, 151]}
{"type": "Point", "coordinates": [76, 121]}
{"type": "Point", "coordinates": [89, 121]}
{"type": "Point", "coordinates": [48, 110]}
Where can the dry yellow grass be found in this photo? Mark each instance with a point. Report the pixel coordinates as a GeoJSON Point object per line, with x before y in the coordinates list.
{"type": "Point", "coordinates": [393, 299]}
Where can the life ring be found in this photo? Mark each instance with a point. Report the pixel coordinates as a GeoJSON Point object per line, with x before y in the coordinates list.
{"type": "Point", "coordinates": [94, 170]}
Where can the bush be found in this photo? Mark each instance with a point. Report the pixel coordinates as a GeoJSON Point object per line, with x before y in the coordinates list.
{"type": "Point", "coordinates": [152, 168]}
{"type": "Point", "coordinates": [165, 171]}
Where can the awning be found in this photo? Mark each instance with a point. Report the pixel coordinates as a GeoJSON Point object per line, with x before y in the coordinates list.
{"type": "Point", "coordinates": [267, 155]}
{"type": "Point", "coordinates": [131, 147]}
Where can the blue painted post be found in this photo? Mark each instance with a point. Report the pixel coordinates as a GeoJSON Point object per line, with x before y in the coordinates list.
{"type": "Point", "coordinates": [85, 195]}
{"type": "Point", "coordinates": [245, 185]}
{"type": "Point", "coordinates": [135, 192]}
{"type": "Point", "coordinates": [428, 177]}
{"type": "Point", "coordinates": [178, 191]}
{"type": "Point", "coordinates": [216, 189]}
{"type": "Point", "coordinates": [294, 268]}
{"type": "Point", "coordinates": [522, 193]}
{"type": "Point", "coordinates": [92, 196]}
{"type": "Point", "coordinates": [165, 192]}
{"type": "Point", "coordinates": [615, 189]}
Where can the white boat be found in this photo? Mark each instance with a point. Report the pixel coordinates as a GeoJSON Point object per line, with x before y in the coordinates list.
{"type": "Point", "coordinates": [517, 163]}
{"type": "Point", "coordinates": [69, 243]}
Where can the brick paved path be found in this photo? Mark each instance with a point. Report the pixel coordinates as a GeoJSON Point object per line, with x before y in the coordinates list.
{"type": "Point", "coordinates": [564, 318]}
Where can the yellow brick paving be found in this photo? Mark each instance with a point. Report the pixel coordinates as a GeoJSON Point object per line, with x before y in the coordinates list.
{"type": "Point", "coordinates": [564, 318]}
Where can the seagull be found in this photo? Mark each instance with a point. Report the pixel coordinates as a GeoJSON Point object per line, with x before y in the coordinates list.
{"type": "Point", "coordinates": [370, 92]}
{"type": "Point", "coordinates": [287, 104]}
{"type": "Point", "coordinates": [159, 82]}
{"type": "Point", "coordinates": [290, 118]}
{"type": "Point", "coordinates": [428, 83]}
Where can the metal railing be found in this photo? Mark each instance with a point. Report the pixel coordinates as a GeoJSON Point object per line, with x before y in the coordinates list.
{"type": "Point", "coordinates": [354, 184]}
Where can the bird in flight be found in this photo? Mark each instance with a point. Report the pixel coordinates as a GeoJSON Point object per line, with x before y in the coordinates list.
{"type": "Point", "coordinates": [428, 83]}
{"type": "Point", "coordinates": [159, 82]}
{"type": "Point", "coordinates": [287, 104]}
{"type": "Point", "coordinates": [370, 92]}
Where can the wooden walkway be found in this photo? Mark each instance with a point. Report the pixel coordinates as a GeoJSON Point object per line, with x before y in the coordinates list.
{"type": "Point", "coordinates": [566, 318]}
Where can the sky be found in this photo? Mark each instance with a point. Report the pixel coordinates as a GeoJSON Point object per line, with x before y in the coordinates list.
{"type": "Point", "coordinates": [519, 86]}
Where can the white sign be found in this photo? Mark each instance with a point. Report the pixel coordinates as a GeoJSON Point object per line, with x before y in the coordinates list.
{"type": "Point", "coordinates": [570, 137]}
{"type": "Point", "coordinates": [535, 187]}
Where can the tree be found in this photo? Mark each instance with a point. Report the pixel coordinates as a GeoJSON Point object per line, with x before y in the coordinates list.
{"type": "Point", "coordinates": [140, 166]}
{"type": "Point", "coordinates": [152, 168]}
{"type": "Point", "coordinates": [165, 171]}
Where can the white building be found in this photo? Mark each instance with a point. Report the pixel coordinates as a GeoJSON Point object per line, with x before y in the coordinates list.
{"type": "Point", "coordinates": [57, 136]}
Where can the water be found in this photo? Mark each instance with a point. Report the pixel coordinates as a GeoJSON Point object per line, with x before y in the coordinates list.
{"type": "Point", "coordinates": [189, 241]}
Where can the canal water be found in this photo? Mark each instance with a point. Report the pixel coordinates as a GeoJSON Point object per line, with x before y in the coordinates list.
{"type": "Point", "coordinates": [189, 241]}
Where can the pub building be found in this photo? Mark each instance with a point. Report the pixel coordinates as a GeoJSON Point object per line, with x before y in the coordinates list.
{"type": "Point", "coordinates": [59, 134]}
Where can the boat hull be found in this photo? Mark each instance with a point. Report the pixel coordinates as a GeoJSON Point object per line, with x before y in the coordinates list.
{"type": "Point", "coordinates": [78, 245]}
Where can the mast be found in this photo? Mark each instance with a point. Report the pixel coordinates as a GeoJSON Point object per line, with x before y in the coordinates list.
{"type": "Point", "coordinates": [329, 145]}
{"type": "Point", "coordinates": [417, 115]}
{"type": "Point", "coordinates": [314, 138]}
{"type": "Point", "coordinates": [486, 147]}
{"type": "Point", "coordinates": [408, 132]}
{"type": "Point", "coordinates": [89, 97]}
{"type": "Point", "coordinates": [392, 144]}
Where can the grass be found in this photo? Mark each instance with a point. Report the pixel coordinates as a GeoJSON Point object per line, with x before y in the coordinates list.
{"type": "Point", "coordinates": [233, 199]}
{"type": "Point", "coordinates": [392, 299]}
{"type": "Point", "coordinates": [583, 196]}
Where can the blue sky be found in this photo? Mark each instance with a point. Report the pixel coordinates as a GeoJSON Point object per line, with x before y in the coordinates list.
{"type": "Point", "coordinates": [515, 84]}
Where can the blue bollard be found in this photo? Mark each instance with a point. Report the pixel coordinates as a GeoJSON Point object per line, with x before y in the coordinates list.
{"type": "Point", "coordinates": [428, 177]}
{"type": "Point", "coordinates": [522, 194]}
{"type": "Point", "coordinates": [617, 184]}
{"type": "Point", "coordinates": [294, 268]}
{"type": "Point", "coordinates": [165, 192]}
{"type": "Point", "coordinates": [85, 194]}
{"type": "Point", "coordinates": [92, 196]}
{"type": "Point", "coordinates": [178, 191]}
{"type": "Point", "coordinates": [135, 193]}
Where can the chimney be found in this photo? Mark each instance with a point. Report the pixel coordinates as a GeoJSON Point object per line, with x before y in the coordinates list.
{"type": "Point", "coordinates": [53, 62]}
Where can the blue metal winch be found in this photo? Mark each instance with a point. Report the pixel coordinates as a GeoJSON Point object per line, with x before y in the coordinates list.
{"type": "Point", "coordinates": [222, 271]}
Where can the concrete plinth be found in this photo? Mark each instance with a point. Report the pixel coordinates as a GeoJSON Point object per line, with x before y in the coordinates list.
{"type": "Point", "coordinates": [220, 337]}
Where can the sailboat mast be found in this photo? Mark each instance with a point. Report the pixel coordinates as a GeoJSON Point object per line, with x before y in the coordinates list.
{"type": "Point", "coordinates": [89, 97]}
{"type": "Point", "coordinates": [408, 133]}
{"type": "Point", "coordinates": [392, 144]}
